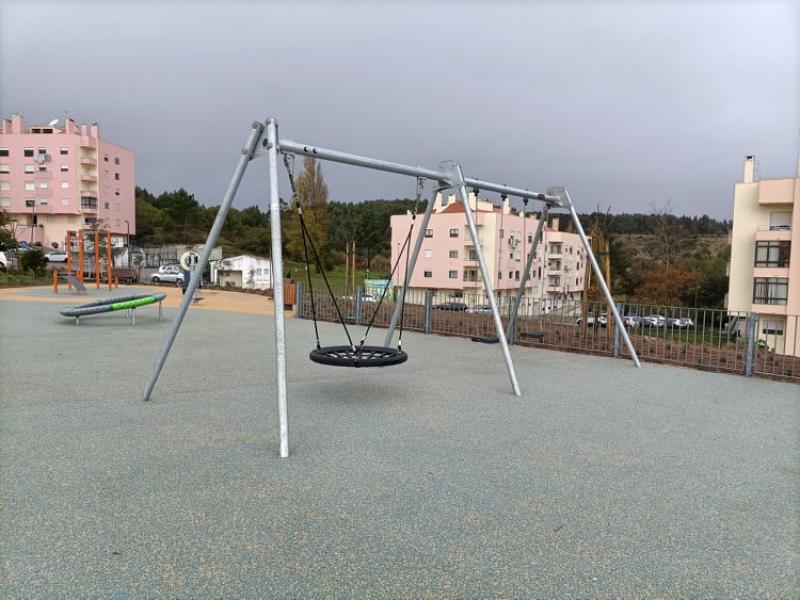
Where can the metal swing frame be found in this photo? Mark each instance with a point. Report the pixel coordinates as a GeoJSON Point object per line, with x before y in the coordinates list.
{"type": "Point", "coordinates": [263, 140]}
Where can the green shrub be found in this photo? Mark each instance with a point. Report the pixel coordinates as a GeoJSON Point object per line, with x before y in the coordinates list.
{"type": "Point", "coordinates": [33, 260]}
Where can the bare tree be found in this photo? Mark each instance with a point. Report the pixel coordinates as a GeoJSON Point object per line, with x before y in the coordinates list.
{"type": "Point", "coordinates": [667, 230]}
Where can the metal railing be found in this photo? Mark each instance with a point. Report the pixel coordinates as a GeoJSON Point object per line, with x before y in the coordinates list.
{"type": "Point", "coordinates": [708, 339]}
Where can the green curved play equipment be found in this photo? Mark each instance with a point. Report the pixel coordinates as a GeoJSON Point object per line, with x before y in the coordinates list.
{"type": "Point", "coordinates": [112, 304]}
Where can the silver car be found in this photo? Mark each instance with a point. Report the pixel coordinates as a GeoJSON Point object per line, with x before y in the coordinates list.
{"type": "Point", "coordinates": [169, 274]}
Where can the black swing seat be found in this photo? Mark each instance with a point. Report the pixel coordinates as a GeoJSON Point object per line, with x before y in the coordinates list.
{"type": "Point", "coordinates": [366, 356]}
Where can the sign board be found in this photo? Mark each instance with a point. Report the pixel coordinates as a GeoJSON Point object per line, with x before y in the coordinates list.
{"type": "Point", "coordinates": [375, 287]}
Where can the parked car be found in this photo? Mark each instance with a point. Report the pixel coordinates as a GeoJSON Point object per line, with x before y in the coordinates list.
{"type": "Point", "coordinates": [654, 321]}
{"type": "Point", "coordinates": [680, 322]}
{"type": "Point", "coordinates": [168, 273]}
{"type": "Point", "coordinates": [56, 256]}
{"type": "Point", "coordinates": [631, 321]}
{"type": "Point", "coordinates": [591, 320]}
{"type": "Point", "coordinates": [460, 306]}
{"type": "Point", "coordinates": [480, 309]}
{"type": "Point", "coordinates": [3, 261]}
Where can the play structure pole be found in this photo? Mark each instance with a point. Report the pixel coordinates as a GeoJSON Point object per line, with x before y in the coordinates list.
{"type": "Point", "coordinates": [412, 262]}
{"type": "Point", "coordinates": [458, 184]}
{"type": "Point", "coordinates": [567, 202]}
{"type": "Point", "coordinates": [110, 260]}
{"type": "Point", "coordinates": [80, 255]}
{"type": "Point", "coordinates": [213, 235]}
{"type": "Point", "coordinates": [69, 259]}
{"type": "Point", "coordinates": [55, 281]}
{"type": "Point", "coordinates": [277, 265]}
{"type": "Point", "coordinates": [512, 322]}
{"type": "Point", "coordinates": [97, 259]}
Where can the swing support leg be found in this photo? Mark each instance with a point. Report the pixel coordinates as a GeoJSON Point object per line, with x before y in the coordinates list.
{"type": "Point", "coordinates": [277, 267]}
{"type": "Point", "coordinates": [453, 170]}
{"type": "Point", "coordinates": [213, 235]}
{"type": "Point", "coordinates": [511, 334]}
{"type": "Point", "coordinates": [412, 261]}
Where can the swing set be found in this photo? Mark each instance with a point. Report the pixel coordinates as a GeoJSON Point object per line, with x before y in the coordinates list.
{"type": "Point", "coordinates": [263, 140]}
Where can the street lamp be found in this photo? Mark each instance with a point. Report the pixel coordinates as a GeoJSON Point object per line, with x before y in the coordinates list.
{"type": "Point", "coordinates": [128, 241]}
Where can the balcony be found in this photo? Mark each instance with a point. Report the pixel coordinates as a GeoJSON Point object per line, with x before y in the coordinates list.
{"type": "Point", "coordinates": [773, 233]}
{"type": "Point", "coordinates": [86, 160]}
{"type": "Point", "coordinates": [88, 141]}
{"type": "Point", "coordinates": [775, 191]}
{"type": "Point", "coordinates": [89, 178]}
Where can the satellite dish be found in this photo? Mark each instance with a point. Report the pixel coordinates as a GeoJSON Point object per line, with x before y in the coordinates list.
{"type": "Point", "coordinates": [53, 123]}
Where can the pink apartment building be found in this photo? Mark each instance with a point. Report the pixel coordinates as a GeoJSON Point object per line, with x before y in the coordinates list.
{"type": "Point", "coordinates": [54, 179]}
{"type": "Point", "coordinates": [448, 263]}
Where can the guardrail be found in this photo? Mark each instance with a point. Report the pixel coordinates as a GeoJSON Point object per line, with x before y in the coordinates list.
{"type": "Point", "coordinates": [709, 339]}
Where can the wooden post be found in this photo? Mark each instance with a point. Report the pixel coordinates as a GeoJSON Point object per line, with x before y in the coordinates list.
{"type": "Point", "coordinates": [109, 260]}
{"type": "Point", "coordinates": [80, 255]}
{"type": "Point", "coordinates": [97, 259]}
{"type": "Point", "coordinates": [69, 258]}
{"type": "Point", "coordinates": [55, 281]}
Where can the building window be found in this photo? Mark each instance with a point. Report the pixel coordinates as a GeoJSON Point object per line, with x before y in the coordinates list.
{"type": "Point", "coordinates": [116, 192]}
{"type": "Point", "coordinates": [772, 327]}
{"type": "Point", "coordinates": [65, 185]}
{"type": "Point", "coordinates": [64, 168]}
{"type": "Point", "coordinates": [429, 233]}
{"type": "Point", "coordinates": [42, 200]}
{"type": "Point", "coordinates": [427, 274]}
{"type": "Point", "coordinates": [510, 274]}
{"type": "Point", "coordinates": [499, 275]}
{"type": "Point", "coordinates": [30, 168]}
{"type": "Point", "coordinates": [116, 176]}
{"type": "Point", "coordinates": [454, 232]}
{"type": "Point", "coordinates": [452, 274]}
{"type": "Point", "coordinates": [3, 151]}
{"type": "Point", "coordinates": [43, 168]}
{"type": "Point", "coordinates": [89, 202]}
{"type": "Point", "coordinates": [453, 253]}
{"type": "Point", "coordinates": [770, 290]}
{"type": "Point", "coordinates": [90, 220]}
{"type": "Point", "coordinates": [5, 202]}
{"type": "Point", "coordinates": [29, 186]}
{"type": "Point", "coordinates": [65, 202]}
{"type": "Point", "coordinates": [5, 168]}
{"type": "Point", "coordinates": [116, 160]}
{"type": "Point", "coordinates": [5, 186]}
{"type": "Point", "coordinates": [106, 205]}
{"type": "Point", "coordinates": [64, 151]}
{"type": "Point", "coordinates": [780, 221]}
{"type": "Point", "coordinates": [28, 152]}
{"type": "Point", "coordinates": [428, 253]}
{"type": "Point", "coordinates": [43, 185]}
{"type": "Point", "coordinates": [773, 253]}
{"type": "Point", "coordinates": [516, 275]}
{"type": "Point", "coordinates": [105, 157]}
{"type": "Point", "coordinates": [530, 238]}
{"type": "Point", "coordinates": [30, 202]}
{"type": "Point", "coordinates": [502, 233]}
{"type": "Point", "coordinates": [42, 150]}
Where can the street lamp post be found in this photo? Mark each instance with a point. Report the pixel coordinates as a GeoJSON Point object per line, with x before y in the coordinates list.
{"type": "Point", "coordinates": [128, 241]}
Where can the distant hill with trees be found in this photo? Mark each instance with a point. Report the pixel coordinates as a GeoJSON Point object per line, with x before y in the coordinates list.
{"type": "Point", "coordinates": [655, 257]}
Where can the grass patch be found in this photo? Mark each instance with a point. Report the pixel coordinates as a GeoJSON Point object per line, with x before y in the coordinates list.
{"type": "Point", "coordinates": [23, 279]}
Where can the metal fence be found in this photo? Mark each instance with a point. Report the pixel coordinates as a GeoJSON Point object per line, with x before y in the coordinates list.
{"type": "Point", "coordinates": [702, 338]}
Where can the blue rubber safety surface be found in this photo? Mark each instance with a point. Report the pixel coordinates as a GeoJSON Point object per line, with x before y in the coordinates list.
{"type": "Point", "coordinates": [428, 479]}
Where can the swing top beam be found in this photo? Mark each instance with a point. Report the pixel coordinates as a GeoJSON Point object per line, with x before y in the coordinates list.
{"type": "Point", "coordinates": [290, 147]}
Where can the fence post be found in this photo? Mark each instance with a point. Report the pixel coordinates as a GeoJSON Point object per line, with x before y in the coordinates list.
{"type": "Point", "coordinates": [616, 343]}
{"type": "Point", "coordinates": [298, 303]}
{"type": "Point", "coordinates": [359, 300]}
{"type": "Point", "coordinates": [428, 311]}
{"type": "Point", "coordinates": [750, 344]}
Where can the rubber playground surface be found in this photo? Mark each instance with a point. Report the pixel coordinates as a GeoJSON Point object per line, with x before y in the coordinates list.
{"type": "Point", "coordinates": [427, 479]}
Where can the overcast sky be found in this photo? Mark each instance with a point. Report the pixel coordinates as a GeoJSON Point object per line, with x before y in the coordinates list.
{"type": "Point", "coordinates": [624, 103]}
